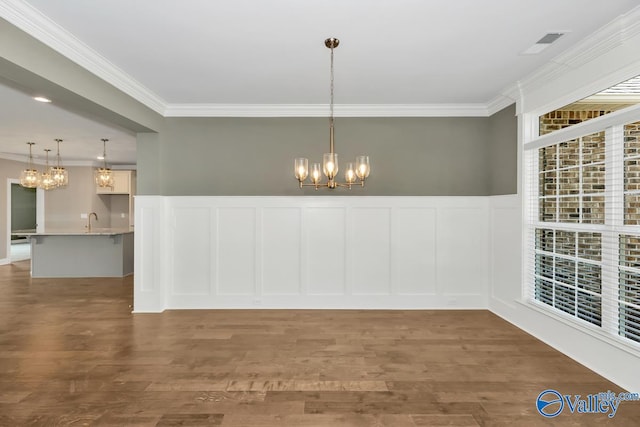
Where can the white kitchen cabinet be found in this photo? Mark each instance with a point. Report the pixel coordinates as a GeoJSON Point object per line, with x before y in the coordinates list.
{"type": "Point", "coordinates": [123, 183]}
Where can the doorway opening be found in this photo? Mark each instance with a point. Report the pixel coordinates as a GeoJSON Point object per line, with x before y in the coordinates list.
{"type": "Point", "coordinates": [25, 211]}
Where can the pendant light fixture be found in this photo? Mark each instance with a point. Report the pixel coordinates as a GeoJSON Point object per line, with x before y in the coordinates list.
{"type": "Point", "coordinates": [330, 168]}
{"type": "Point", "coordinates": [46, 179]}
{"type": "Point", "coordinates": [59, 174]}
{"type": "Point", "coordinates": [29, 177]}
{"type": "Point", "coordinates": [104, 175]}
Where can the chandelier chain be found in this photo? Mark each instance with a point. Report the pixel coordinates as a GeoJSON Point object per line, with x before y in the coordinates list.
{"type": "Point", "coordinates": [58, 141]}
{"type": "Point", "coordinates": [331, 102]}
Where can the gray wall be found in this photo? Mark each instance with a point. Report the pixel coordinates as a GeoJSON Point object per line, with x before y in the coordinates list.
{"type": "Point", "coordinates": [148, 163]}
{"type": "Point", "coordinates": [503, 152]}
{"type": "Point", "coordinates": [63, 206]}
{"type": "Point", "coordinates": [450, 156]}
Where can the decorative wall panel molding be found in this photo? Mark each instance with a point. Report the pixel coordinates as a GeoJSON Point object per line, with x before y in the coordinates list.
{"type": "Point", "coordinates": [150, 250]}
{"type": "Point", "coordinates": [311, 252]}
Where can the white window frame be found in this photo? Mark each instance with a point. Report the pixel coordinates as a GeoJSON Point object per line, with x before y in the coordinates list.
{"type": "Point", "coordinates": [613, 124]}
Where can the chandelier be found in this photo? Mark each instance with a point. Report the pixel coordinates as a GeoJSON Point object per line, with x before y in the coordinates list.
{"type": "Point", "coordinates": [104, 175]}
{"type": "Point", "coordinates": [354, 171]}
{"type": "Point", "coordinates": [30, 177]}
{"type": "Point", "coordinates": [58, 173]}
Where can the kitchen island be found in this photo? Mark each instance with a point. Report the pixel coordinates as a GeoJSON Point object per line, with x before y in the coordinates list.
{"type": "Point", "coordinates": [101, 252]}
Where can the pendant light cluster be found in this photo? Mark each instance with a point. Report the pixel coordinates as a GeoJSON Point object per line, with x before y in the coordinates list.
{"type": "Point", "coordinates": [355, 173]}
{"type": "Point", "coordinates": [50, 178]}
{"type": "Point", "coordinates": [104, 175]}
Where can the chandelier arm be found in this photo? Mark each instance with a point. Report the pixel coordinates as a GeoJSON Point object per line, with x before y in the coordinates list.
{"type": "Point", "coordinates": [335, 183]}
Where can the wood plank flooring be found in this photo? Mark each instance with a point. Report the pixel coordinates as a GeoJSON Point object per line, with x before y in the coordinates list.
{"type": "Point", "coordinates": [71, 353]}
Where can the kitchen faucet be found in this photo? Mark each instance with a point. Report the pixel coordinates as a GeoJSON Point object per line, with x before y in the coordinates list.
{"type": "Point", "coordinates": [89, 220]}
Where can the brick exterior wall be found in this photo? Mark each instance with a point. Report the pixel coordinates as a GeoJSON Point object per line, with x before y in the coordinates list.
{"type": "Point", "coordinates": [562, 166]}
{"type": "Point", "coordinates": [632, 173]}
{"type": "Point", "coordinates": [559, 119]}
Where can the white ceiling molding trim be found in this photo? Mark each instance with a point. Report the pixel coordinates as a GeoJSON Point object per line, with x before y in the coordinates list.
{"type": "Point", "coordinates": [322, 110]}
{"type": "Point", "coordinates": [602, 41]}
{"type": "Point", "coordinates": [499, 103]}
{"type": "Point", "coordinates": [605, 39]}
{"type": "Point", "coordinates": [621, 74]}
{"type": "Point", "coordinates": [41, 162]}
{"type": "Point", "coordinates": [33, 22]}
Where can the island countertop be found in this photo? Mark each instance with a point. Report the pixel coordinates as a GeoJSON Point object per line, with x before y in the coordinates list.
{"type": "Point", "coordinates": [74, 232]}
{"type": "Point", "coordinates": [77, 252]}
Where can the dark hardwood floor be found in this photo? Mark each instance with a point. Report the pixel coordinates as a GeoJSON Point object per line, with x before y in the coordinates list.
{"type": "Point", "coordinates": [71, 353]}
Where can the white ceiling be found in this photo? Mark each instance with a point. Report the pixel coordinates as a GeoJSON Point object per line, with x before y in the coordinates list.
{"type": "Point", "coordinates": [270, 52]}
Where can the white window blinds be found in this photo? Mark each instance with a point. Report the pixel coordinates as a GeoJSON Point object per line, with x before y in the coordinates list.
{"type": "Point", "coordinates": [582, 231]}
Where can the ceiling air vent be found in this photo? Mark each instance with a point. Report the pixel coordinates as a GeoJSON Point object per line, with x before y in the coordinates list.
{"type": "Point", "coordinates": [543, 43]}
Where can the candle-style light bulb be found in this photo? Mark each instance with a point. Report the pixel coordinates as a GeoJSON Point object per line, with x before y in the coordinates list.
{"type": "Point", "coordinates": [330, 162]}
{"type": "Point", "coordinates": [301, 168]}
{"type": "Point", "coordinates": [350, 174]}
{"type": "Point", "coordinates": [316, 173]}
{"type": "Point", "coordinates": [363, 169]}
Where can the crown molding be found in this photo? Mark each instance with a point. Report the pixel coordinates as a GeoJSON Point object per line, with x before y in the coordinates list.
{"type": "Point", "coordinates": [322, 110]}
{"type": "Point", "coordinates": [15, 158]}
{"type": "Point", "coordinates": [499, 103]}
{"type": "Point", "coordinates": [33, 22]}
{"type": "Point", "coordinates": [125, 167]}
{"type": "Point", "coordinates": [608, 37]}
{"type": "Point", "coordinates": [24, 159]}
{"type": "Point", "coordinates": [614, 34]}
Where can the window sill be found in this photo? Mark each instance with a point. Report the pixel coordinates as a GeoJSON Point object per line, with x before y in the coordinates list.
{"type": "Point", "coordinates": [620, 343]}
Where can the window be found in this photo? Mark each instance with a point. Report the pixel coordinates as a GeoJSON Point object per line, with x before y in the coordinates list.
{"type": "Point", "coordinates": [609, 100]}
{"type": "Point", "coordinates": [583, 225]}
{"type": "Point", "coordinates": [629, 287]}
{"type": "Point", "coordinates": [568, 274]}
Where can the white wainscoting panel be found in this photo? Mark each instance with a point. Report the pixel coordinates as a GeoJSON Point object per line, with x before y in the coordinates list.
{"type": "Point", "coordinates": [506, 248]}
{"type": "Point", "coordinates": [311, 252]}
{"type": "Point", "coordinates": [192, 231]}
{"type": "Point", "coordinates": [149, 263]}
{"type": "Point", "coordinates": [370, 251]}
{"type": "Point", "coordinates": [281, 251]}
{"type": "Point", "coordinates": [462, 254]}
{"type": "Point", "coordinates": [325, 250]}
{"type": "Point", "coordinates": [413, 251]}
{"type": "Point", "coordinates": [236, 248]}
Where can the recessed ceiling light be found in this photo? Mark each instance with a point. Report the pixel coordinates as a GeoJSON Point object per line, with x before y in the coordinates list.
{"type": "Point", "coordinates": [101, 157]}
{"type": "Point", "coordinates": [41, 99]}
{"type": "Point", "coordinates": [542, 44]}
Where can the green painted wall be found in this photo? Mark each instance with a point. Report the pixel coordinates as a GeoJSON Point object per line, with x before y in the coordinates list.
{"type": "Point", "coordinates": [503, 152]}
{"type": "Point", "coordinates": [443, 156]}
